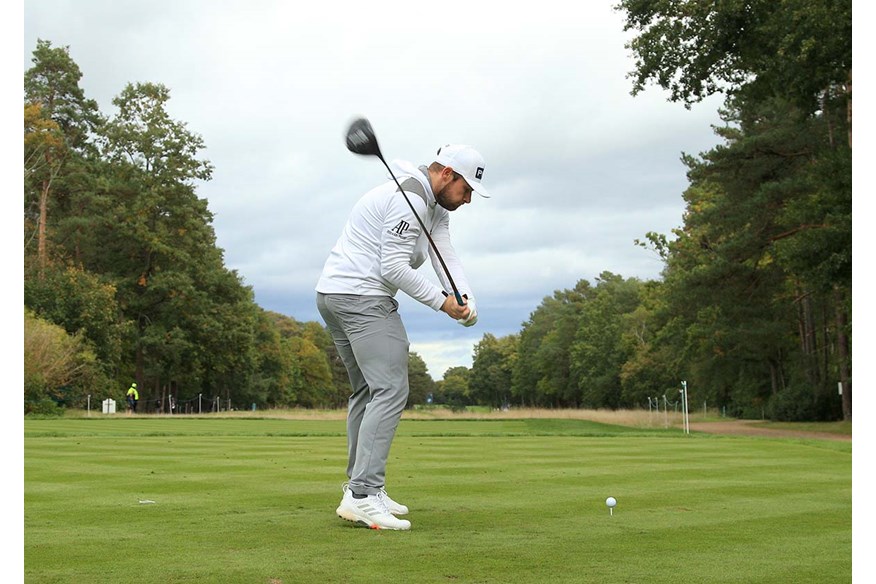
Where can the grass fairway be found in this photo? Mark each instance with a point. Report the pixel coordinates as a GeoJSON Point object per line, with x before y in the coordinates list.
{"type": "Point", "coordinates": [498, 501]}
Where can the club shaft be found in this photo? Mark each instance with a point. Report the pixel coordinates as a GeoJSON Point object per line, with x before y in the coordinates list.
{"type": "Point", "coordinates": [426, 231]}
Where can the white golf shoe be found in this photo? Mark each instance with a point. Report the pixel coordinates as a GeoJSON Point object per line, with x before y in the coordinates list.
{"type": "Point", "coordinates": [370, 511]}
{"type": "Point", "coordinates": [392, 506]}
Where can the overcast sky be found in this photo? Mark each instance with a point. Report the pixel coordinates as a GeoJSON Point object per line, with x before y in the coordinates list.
{"type": "Point", "coordinates": [578, 167]}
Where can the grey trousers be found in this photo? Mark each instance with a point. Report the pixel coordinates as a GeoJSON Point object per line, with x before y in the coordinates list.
{"type": "Point", "coordinates": [372, 342]}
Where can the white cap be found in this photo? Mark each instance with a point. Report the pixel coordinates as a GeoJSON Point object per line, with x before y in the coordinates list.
{"type": "Point", "coordinates": [466, 161]}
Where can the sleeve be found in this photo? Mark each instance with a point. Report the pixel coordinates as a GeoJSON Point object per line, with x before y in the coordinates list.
{"type": "Point", "coordinates": [398, 242]}
{"type": "Point", "coordinates": [441, 237]}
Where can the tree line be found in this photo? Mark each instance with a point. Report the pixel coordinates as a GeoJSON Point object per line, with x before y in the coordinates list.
{"type": "Point", "coordinates": [124, 280]}
{"type": "Point", "coordinates": [753, 305]}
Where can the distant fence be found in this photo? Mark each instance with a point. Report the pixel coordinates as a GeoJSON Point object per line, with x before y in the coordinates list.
{"type": "Point", "coordinates": [171, 405]}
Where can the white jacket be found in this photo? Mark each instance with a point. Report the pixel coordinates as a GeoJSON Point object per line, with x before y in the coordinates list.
{"type": "Point", "coordinates": [382, 245]}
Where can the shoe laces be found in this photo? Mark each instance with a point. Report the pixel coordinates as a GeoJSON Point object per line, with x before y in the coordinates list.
{"type": "Point", "coordinates": [386, 498]}
{"type": "Point", "coordinates": [381, 504]}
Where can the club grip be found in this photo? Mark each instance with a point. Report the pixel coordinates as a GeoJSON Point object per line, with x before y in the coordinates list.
{"type": "Point", "coordinates": [457, 295]}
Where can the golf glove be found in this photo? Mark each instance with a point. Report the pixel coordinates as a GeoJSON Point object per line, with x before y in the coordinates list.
{"type": "Point", "coordinates": [473, 314]}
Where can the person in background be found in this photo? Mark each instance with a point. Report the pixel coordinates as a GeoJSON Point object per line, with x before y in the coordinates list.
{"type": "Point", "coordinates": [133, 397]}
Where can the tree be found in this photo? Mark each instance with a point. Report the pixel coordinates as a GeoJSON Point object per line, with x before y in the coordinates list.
{"type": "Point", "coordinates": [542, 371]}
{"type": "Point", "coordinates": [83, 305]}
{"type": "Point", "coordinates": [44, 152]}
{"type": "Point", "coordinates": [598, 352]}
{"type": "Point", "coordinates": [336, 389]}
{"type": "Point", "coordinates": [58, 123]}
{"type": "Point", "coordinates": [316, 389]}
{"type": "Point", "coordinates": [58, 368]}
{"type": "Point", "coordinates": [735, 296]}
{"type": "Point", "coordinates": [782, 66]}
{"type": "Point", "coordinates": [420, 382]}
{"type": "Point", "coordinates": [312, 348]}
{"type": "Point", "coordinates": [53, 82]}
{"type": "Point", "coordinates": [453, 390]}
{"type": "Point", "coordinates": [339, 391]}
{"type": "Point", "coordinates": [163, 248]}
{"type": "Point", "coordinates": [650, 341]}
{"type": "Point", "coordinates": [492, 370]}
{"type": "Point", "coordinates": [219, 316]}
{"type": "Point", "coordinates": [273, 372]}
{"type": "Point", "coordinates": [802, 50]}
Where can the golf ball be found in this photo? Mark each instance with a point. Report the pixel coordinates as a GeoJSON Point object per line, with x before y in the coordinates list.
{"type": "Point", "coordinates": [611, 501]}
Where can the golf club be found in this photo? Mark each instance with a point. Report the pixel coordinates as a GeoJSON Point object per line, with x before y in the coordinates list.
{"type": "Point", "coordinates": [361, 140]}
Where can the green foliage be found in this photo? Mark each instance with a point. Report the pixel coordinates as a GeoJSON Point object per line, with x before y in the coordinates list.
{"type": "Point", "coordinates": [792, 404]}
{"type": "Point", "coordinates": [59, 368]}
{"type": "Point", "coordinates": [731, 275]}
{"type": "Point", "coordinates": [144, 135]}
{"type": "Point", "coordinates": [754, 49]}
{"type": "Point", "coordinates": [337, 388]}
{"type": "Point", "coordinates": [653, 368]}
{"type": "Point", "coordinates": [301, 362]}
{"type": "Point", "coordinates": [491, 375]}
{"type": "Point", "coordinates": [59, 124]}
{"type": "Point", "coordinates": [598, 352]}
{"type": "Point", "coordinates": [542, 372]}
{"type": "Point", "coordinates": [316, 376]}
{"type": "Point", "coordinates": [82, 303]}
{"type": "Point", "coordinates": [420, 382]}
{"type": "Point", "coordinates": [758, 280]}
{"type": "Point", "coordinates": [53, 82]}
{"type": "Point", "coordinates": [816, 245]}
{"type": "Point", "coordinates": [44, 152]}
{"type": "Point", "coordinates": [36, 406]}
{"type": "Point", "coordinates": [453, 389]}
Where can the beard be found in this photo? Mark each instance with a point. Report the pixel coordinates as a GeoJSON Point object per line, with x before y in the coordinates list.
{"type": "Point", "coordinates": [443, 200]}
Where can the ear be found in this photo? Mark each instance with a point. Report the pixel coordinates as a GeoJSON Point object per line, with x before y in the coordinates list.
{"type": "Point", "coordinates": [445, 177]}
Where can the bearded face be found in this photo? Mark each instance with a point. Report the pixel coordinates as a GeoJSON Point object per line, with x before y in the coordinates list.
{"type": "Point", "coordinates": [454, 194]}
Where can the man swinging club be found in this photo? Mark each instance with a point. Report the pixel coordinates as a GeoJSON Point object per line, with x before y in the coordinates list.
{"type": "Point", "coordinates": [378, 253]}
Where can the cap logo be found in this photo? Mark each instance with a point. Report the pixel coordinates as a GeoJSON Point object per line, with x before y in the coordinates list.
{"type": "Point", "coordinates": [479, 174]}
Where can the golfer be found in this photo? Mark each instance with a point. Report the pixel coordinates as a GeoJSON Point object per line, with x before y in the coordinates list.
{"type": "Point", "coordinates": [377, 254]}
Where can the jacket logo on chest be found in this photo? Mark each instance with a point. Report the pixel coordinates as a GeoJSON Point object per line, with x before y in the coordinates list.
{"type": "Point", "coordinates": [400, 228]}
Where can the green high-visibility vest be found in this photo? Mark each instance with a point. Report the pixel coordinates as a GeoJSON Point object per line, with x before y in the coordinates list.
{"type": "Point", "coordinates": [133, 391]}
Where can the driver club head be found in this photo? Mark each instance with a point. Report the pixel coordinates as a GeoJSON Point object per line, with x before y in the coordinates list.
{"type": "Point", "coordinates": [361, 138]}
